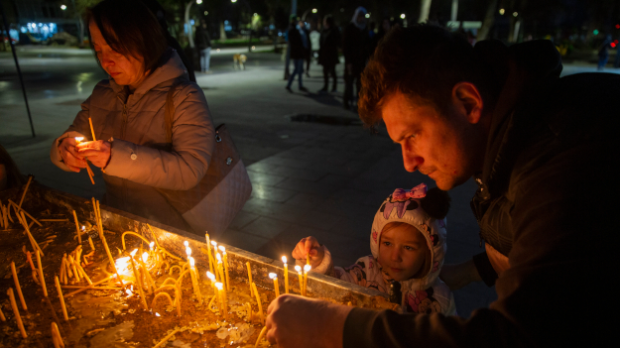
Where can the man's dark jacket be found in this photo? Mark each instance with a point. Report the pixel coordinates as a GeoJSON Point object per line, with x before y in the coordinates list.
{"type": "Point", "coordinates": [355, 46]}
{"type": "Point", "coordinates": [328, 50]}
{"type": "Point", "coordinates": [547, 200]}
{"type": "Point", "coordinates": [298, 50]}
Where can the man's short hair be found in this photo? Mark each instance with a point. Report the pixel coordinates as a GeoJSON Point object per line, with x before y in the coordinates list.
{"type": "Point", "coordinates": [424, 63]}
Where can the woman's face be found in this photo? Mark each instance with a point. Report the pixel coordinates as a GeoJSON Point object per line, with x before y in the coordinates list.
{"type": "Point", "coordinates": [125, 70]}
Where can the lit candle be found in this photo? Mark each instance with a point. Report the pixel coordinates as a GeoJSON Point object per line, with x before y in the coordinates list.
{"type": "Point", "coordinates": [29, 257]}
{"type": "Point", "coordinates": [62, 299]}
{"type": "Point", "coordinates": [41, 273]}
{"type": "Point", "coordinates": [193, 275]}
{"type": "Point", "coordinates": [77, 228]}
{"type": "Point", "coordinates": [56, 338]}
{"type": "Point", "coordinates": [212, 278]}
{"type": "Point", "coordinates": [18, 287]}
{"type": "Point", "coordinates": [301, 279]}
{"type": "Point", "coordinates": [151, 284]}
{"type": "Point", "coordinates": [285, 274]}
{"type": "Point", "coordinates": [307, 269]}
{"type": "Point", "coordinates": [220, 269]}
{"type": "Point", "coordinates": [79, 139]}
{"type": "Point", "coordinates": [2, 317]}
{"type": "Point", "coordinates": [226, 267]}
{"type": "Point", "coordinates": [136, 275]}
{"type": "Point", "coordinates": [209, 252]}
{"type": "Point", "coordinates": [222, 296]}
{"type": "Point", "coordinates": [92, 245]}
{"type": "Point", "coordinates": [249, 276]}
{"type": "Point", "coordinates": [18, 318]}
{"type": "Point", "coordinates": [260, 305]}
{"type": "Point", "coordinates": [275, 283]}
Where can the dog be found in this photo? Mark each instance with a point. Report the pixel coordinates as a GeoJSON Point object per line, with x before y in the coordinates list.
{"type": "Point", "coordinates": [239, 61]}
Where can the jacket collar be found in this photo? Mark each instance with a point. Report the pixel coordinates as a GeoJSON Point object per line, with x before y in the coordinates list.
{"type": "Point", "coordinates": [170, 68]}
{"type": "Point", "coordinates": [517, 71]}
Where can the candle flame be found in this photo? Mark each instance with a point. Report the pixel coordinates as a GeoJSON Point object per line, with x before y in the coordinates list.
{"type": "Point", "coordinates": [307, 268]}
{"type": "Point", "coordinates": [157, 314]}
{"type": "Point", "coordinates": [79, 139]}
{"type": "Point", "coordinates": [273, 275]}
{"type": "Point", "coordinates": [298, 268]}
{"type": "Point", "coordinates": [210, 276]}
{"type": "Point", "coordinates": [133, 253]}
{"type": "Point", "coordinates": [129, 293]}
{"type": "Point", "coordinates": [122, 265]}
{"type": "Point", "coordinates": [188, 251]}
{"type": "Point", "coordinates": [186, 243]}
{"type": "Point", "coordinates": [219, 285]}
{"type": "Point", "coordinates": [145, 256]}
{"type": "Point", "coordinates": [214, 243]}
{"type": "Point", "coordinates": [152, 244]}
{"type": "Point", "coordinates": [218, 257]}
{"type": "Point", "coordinates": [222, 248]}
{"type": "Point", "coordinates": [191, 262]}
{"type": "Point", "coordinates": [284, 259]}
{"type": "Point", "coordinates": [83, 228]}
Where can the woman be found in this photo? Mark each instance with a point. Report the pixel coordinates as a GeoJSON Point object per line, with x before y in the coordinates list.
{"type": "Point", "coordinates": [328, 51]}
{"type": "Point", "coordinates": [144, 156]}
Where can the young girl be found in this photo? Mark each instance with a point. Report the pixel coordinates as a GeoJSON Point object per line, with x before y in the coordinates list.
{"type": "Point", "coordinates": [408, 245]}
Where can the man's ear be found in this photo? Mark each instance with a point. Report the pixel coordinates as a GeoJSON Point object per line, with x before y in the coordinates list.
{"type": "Point", "coordinates": [468, 101]}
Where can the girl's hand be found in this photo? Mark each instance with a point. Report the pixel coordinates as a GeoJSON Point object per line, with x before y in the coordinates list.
{"type": "Point", "coordinates": [70, 156]}
{"type": "Point", "coordinates": [309, 246]}
{"type": "Point", "coordinates": [97, 152]}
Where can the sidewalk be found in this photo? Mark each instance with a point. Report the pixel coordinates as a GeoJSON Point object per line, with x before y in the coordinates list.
{"type": "Point", "coordinates": [308, 178]}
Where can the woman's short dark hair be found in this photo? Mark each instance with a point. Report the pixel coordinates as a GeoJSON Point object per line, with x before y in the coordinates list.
{"type": "Point", "coordinates": [424, 63]}
{"type": "Point", "coordinates": [130, 29]}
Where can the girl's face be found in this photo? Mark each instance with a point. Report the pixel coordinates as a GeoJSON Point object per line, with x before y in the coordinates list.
{"type": "Point", "coordinates": [125, 70]}
{"type": "Point", "coordinates": [403, 253]}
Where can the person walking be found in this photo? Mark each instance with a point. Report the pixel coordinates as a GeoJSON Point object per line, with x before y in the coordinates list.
{"type": "Point", "coordinates": [356, 49]}
{"type": "Point", "coordinates": [203, 44]}
{"type": "Point", "coordinates": [299, 43]}
{"type": "Point", "coordinates": [328, 52]}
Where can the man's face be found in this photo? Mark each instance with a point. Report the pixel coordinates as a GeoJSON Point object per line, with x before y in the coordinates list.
{"type": "Point", "coordinates": [446, 148]}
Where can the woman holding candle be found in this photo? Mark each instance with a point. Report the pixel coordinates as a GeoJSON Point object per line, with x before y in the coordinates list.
{"type": "Point", "coordinates": [147, 156]}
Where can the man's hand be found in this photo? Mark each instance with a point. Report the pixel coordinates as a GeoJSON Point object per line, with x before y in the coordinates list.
{"type": "Point", "coordinates": [459, 275]}
{"type": "Point", "coordinates": [97, 152]}
{"type": "Point", "coordinates": [309, 246]}
{"type": "Point", "coordinates": [70, 156]}
{"type": "Point", "coordinates": [299, 322]}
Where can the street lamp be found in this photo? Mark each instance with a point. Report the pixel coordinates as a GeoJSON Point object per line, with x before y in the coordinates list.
{"type": "Point", "coordinates": [63, 7]}
{"type": "Point", "coordinates": [189, 25]}
{"type": "Point", "coordinates": [198, 2]}
{"type": "Point", "coordinates": [402, 16]}
{"type": "Point", "coordinates": [233, 1]}
{"type": "Point", "coordinates": [314, 10]}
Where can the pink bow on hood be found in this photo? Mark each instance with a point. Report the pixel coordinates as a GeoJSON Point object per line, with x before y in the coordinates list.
{"type": "Point", "coordinates": [417, 192]}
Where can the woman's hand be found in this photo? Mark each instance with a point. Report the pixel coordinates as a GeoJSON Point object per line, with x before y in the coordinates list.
{"type": "Point", "coordinates": [70, 156]}
{"type": "Point", "coordinates": [459, 275]}
{"type": "Point", "coordinates": [97, 152]}
{"type": "Point", "coordinates": [309, 246]}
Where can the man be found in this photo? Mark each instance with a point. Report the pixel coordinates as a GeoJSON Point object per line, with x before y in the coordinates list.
{"type": "Point", "coordinates": [356, 49]}
{"type": "Point", "coordinates": [543, 151]}
{"type": "Point", "coordinates": [203, 44]}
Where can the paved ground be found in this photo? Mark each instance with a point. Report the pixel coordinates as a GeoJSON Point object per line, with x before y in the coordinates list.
{"type": "Point", "coordinates": [309, 178]}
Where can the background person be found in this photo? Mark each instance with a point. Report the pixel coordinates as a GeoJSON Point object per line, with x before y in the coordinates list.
{"type": "Point", "coordinates": [203, 44]}
{"type": "Point", "coordinates": [128, 113]}
{"type": "Point", "coordinates": [356, 49]}
{"type": "Point", "coordinates": [328, 52]}
{"type": "Point", "coordinates": [299, 43]}
{"type": "Point", "coordinates": [543, 151]}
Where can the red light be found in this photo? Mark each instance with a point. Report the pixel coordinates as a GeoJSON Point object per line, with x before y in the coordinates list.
{"type": "Point", "coordinates": [613, 44]}
{"type": "Point", "coordinates": [617, 26]}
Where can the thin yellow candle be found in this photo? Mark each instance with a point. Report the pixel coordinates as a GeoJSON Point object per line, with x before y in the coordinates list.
{"type": "Point", "coordinates": [2, 317]}
{"type": "Point", "coordinates": [209, 252]}
{"type": "Point", "coordinates": [307, 269]}
{"type": "Point", "coordinates": [25, 190]}
{"type": "Point", "coordinates": [220, 268]}
{"type": "Point", "coordinates": [212, 278]}
{"type": "Point", "coordinates": [260, 305]}
{"type": "Point", "coordinates": [29, 257]}
{"type": "Point", "coordinates": [301, 279]}
{"type": "Point", "coordinates": [249, 276]}
{"type": "Point", "coordinates": [260, 336]}
{"type": "Point", "coordinates": [285, 274]}
{"type": "Point", "coordinates": [220, 295]}
{"type": "Point", "coordinates": [275, 283]}
{"type": "Point", "coordinates": [136, 276]}
{"type": "Point", "coordinates": [41, 278]}
{"type": "Point", "coordinates": [18, 287]}
{"type": "Point", "coordinates": [18, 318]}
{"type": "Point", "coordinates": [226, 267]}
{"type": "Point", "coordinates": [105, 244]}
{"type": "Point", "coordinates": [92, 245]}
{"type": "Point", "coordinates": [62, 299]}
{"type": "Point", "coordinates": [77, 228]}
{"type": "Point", "coordinates": [194, 275]}
{"type": "Point", "coordinates": [56, 338]}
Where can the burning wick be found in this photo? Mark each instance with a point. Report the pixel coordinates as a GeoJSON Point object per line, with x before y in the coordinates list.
{"type": "Point", "coordinates": [79, 139]}
{"type": "Point", "coordinates": [157, 314]}
{"type": "Point", "coordinates": [285, 274]}
{"type": "Point", "coordinates": [152, 245]}
{"type": "Point", "coordinates": [188, 251]}
{"type": "Point", "coordinates": [275, 283]}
